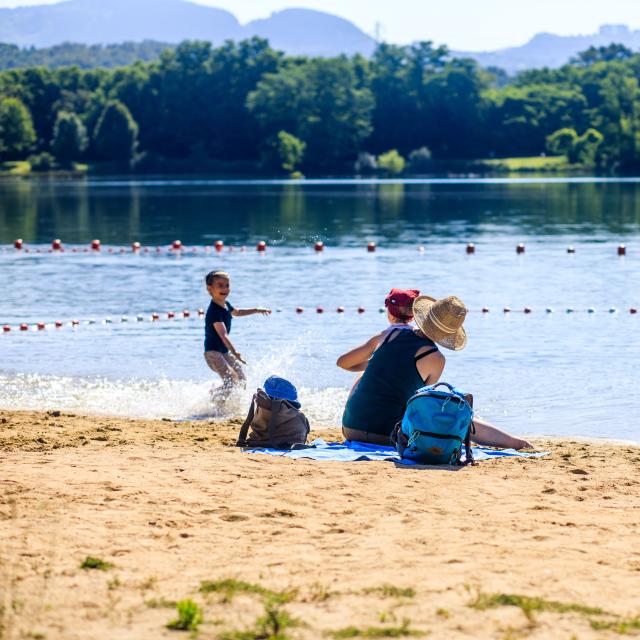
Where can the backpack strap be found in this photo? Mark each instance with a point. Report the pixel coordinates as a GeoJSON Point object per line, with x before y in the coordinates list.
{"type": "Point", "coordinates": [276, 405]}
{"type": "Point", "coordinates": [244, 429]}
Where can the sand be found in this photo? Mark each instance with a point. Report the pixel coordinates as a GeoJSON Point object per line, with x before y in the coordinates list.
{"type": "Point", "coordinates": [362, 549]}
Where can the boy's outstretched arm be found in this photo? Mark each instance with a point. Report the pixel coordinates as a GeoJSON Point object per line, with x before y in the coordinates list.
{"type": "Point", "coordinates": [239, 313]}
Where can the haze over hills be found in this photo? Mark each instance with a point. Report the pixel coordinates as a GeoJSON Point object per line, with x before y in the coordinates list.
{"type": "Point", "coordinates": [295, 31]}
{"type": "Point", "coordinates": [549, 50]}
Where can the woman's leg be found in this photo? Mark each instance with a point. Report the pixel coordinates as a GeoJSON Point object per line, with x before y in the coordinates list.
{"type": "Point", "coordinates": [488, 435]}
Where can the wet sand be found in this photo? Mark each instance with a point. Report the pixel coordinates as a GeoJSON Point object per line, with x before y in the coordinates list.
{"type": "Point", "coordinates": [511, 548]}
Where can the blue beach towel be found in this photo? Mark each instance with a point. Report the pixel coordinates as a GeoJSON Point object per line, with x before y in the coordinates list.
{"type": "Point", "coordinates": [351, 451]}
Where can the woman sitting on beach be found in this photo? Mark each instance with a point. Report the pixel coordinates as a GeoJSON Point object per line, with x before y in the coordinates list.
{"type": "Point", "coordinates": [400, 360]}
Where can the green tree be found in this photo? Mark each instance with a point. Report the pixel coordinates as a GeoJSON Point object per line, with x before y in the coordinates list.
{"type": "Point", "coordinates": [391, 162]}
{"type": "Point", "coordinates": [17, 134]}
{"type": "Point", "coordinates": [585, 148]}
{"type": "Point", "coordinates": [69, 138]}
{"type": "Point", "coordinates": [116, 135]}
{"type": "Point", "coordinates": [289, 151]}
{"type": "Point", "coordinates": [561, 142]}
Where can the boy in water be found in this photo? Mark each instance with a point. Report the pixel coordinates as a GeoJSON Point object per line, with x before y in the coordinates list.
{"type": "Point", "coordinates": [219, 352]}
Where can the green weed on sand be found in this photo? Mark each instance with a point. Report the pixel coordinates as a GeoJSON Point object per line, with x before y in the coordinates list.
{"type": "Point", "coordinates": [529, 605]}
{"type": "Point", "coordinates": [95, 563]}
{"type": "Point", "coordinates": [272, 625]}
{"type": "Point", "coordinates": [229, 588]}
{"type": "Point", "coordinates": [389, 591]}
{"type": "Point", "coordinates": [403, 631]}
{"type": "Point", "coordinates": [189, 616]}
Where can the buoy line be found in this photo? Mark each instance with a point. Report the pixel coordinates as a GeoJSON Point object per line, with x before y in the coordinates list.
{"type": "Point", "coordinates": [199, 313]}
{"type": "Point", "coordinates": [177, 248]}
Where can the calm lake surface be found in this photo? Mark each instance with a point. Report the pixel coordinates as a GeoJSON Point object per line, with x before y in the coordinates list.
{"type": "Point", "coordinates": [540, 373]}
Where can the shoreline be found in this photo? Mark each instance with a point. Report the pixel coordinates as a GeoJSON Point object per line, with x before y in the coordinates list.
{"type": "Point", "coordinates": [514, 547]}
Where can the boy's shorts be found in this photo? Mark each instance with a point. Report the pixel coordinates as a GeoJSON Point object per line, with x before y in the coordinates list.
{"type": "Point", "coordinates": [226, 365]}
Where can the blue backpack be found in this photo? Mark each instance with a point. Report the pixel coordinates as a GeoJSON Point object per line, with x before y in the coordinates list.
{"type": "Point", "coordinates": [435, 425]}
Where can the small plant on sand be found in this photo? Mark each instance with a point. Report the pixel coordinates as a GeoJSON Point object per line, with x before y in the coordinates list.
{"type": "Point", "coordinates": [189, 616]}
{"type": "Point", "coordinates": [442, 613]}
{"type": "Point", "coordinates": [389, 591]}
{"type": "Point", "coordinates": [623, 627]}
{"type": "Point", "coordinates": [529, 605]}
{"type": "Point", "coordinates": [161, 603]}
{"type": "Point", "coordinates": [95, 563]}
{"type": "Point", "coordinates": [229, 588]}
{"type": "Point", "coordinates": [272, 625]}
{"type": "Point", "coordinates": [403, 631]}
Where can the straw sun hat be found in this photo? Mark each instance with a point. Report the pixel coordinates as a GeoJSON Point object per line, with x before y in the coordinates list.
{"type": "Point", "coordinates": [441, 320]}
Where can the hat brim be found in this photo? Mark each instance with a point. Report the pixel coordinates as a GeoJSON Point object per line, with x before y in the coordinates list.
{"type": "Point", "coordinates": [454, 341]}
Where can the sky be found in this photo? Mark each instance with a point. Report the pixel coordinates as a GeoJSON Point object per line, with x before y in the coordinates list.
{"type": "Point", "coordinates": [468, 25]}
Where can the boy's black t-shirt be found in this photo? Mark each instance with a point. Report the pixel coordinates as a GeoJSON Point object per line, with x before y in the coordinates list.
{"type": "Point", "coordinates": [216, 313]}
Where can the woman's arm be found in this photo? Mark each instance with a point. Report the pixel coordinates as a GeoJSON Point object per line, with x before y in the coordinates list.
{"type": "Point", "coordinates": [430, 367]}
{"type": "Point", "coordinates": [357, 359]}
{"type": "Point", "coordinates": [239, 313]}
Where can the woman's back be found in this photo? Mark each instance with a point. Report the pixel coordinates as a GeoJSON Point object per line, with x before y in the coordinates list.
{"type": "Point", "coordinates": [390, 379]}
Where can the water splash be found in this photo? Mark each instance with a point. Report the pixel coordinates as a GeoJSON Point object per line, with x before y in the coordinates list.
{"type": "Point", "coordinates": [147, 398]}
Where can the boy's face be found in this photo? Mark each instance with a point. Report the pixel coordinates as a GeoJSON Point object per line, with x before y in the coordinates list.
{"type": "Point", "coordinates": [219, 289]}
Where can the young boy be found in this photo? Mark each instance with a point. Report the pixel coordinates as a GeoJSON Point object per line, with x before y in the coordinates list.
{"type": "Point", "coordinates": [219, 352]}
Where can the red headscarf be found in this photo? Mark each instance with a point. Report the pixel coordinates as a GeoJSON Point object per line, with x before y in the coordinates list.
{"type": "Point", "coordinates": [400, 303]}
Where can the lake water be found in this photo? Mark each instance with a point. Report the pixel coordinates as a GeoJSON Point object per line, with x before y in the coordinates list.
{"type": "Point", "coordinates": [553, 373]}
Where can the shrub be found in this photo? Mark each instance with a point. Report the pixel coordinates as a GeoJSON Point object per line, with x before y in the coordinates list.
{"type": "Point", "coordinates": [391, 162]}
{"type": "Point", "coordinates": [42, 162]}
{"type": "Point", "coordinates": [420, 160]}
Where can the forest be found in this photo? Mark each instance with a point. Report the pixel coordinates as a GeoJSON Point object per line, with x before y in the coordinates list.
{"type": "Point", "coordinates": [245, 107]}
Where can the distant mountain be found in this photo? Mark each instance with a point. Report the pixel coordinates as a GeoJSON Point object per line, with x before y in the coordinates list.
{"type": "Point", "coordinates": [304, 31]}
{"type": "Point", "coordinates": [548, 50]}
{"type": "Point", "coordinates": [295, 31]}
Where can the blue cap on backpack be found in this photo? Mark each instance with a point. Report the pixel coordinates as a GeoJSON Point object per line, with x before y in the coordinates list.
{"type": "Point", "coordinates": [276, 387]}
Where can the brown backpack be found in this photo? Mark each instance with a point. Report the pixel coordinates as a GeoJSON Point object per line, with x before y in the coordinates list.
{"type": "Point", "coordinates": [273, 423]}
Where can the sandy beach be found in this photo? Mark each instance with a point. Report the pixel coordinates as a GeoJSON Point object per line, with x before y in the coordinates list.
{"type": "Point", "coordinates": [511, 548]}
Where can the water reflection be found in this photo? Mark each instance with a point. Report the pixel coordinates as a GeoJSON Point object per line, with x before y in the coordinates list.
{"type": "Point", "coordinates": [292, 213]}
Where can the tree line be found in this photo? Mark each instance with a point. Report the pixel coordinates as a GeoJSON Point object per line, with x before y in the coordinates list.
{"type": "Point", "coordinates": [248, 106]}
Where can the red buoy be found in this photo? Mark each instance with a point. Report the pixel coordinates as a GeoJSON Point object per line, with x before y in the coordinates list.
{"type": "Point", "coordinates": [200, 312]}
{"type": "Point", "coordinates": [95, 245]}
{"type": "Point", "coordinates": [340, 309]}
{"type": "Point", "coordinates": [219, 245]}
{"type": "Point", "coordinates": [299, 309]}
{"type": "Point", "coordinates": [135, 247]}
{"type": "Point", "coordinates": [318, 246]}
{"type": "Point", "coordinates": [155, 316]}
{"type": "Point", "coordinates": [507, 310]}
{"type": "Point", "coordinates": [58, 324]}
{"type": "Point", "coordinates": [361, 309]}
{"type": "Point", "coordinates": [6, 328]}
{"type": "Point", "coordinates": [319, 310]}
{"type": "Point", "coordinates": [371, 247]}
{"type": "Point", "coordinates": [24, 327]}
{"type": "Point", "coordinates": [527, 310]}
{"type": "Point", "coordinates": [56, 245]}
{"type": "Point", "coordinates": [622, 250]}
{"type": "Point", "coordinates": [176, 245]}
{"type": "Point", "coordinates": [261, 246]}
{"type": "Point", "coordinates": [75, 323]}
{"type": "Point", "coordinates": [471, 248]}
{"type": "Point", "coordinates": [17, 244]}
{"type": "Point", "coordinates": [633, 310]}
{"type": "Point", "coordinates": [171, 314]}
{"type": "Point", "coordinates": [186, 313]}
{"type": "Point", "coordinates": [571, 249]}
{"type": "Point", "coordinates": [520, 248]}
{"type": "Point", "coordinates": [41, 326]}
{"type": "Point", "coordinates": [485, 309]}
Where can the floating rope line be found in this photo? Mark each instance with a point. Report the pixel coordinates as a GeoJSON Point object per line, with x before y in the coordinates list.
{"type": "Point", "coordinates": [176, 248]}
{"type": "Point", "coordinates": [187, 314]}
